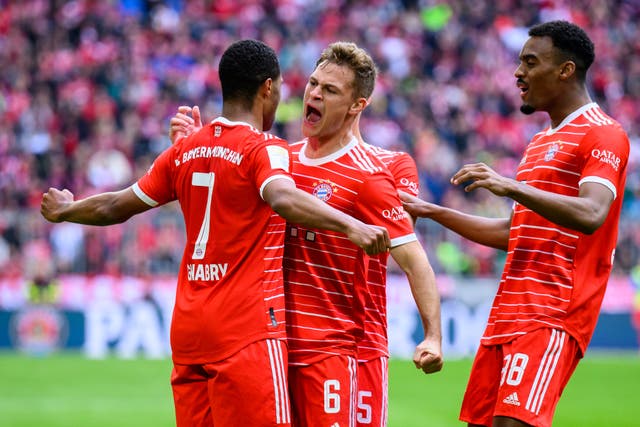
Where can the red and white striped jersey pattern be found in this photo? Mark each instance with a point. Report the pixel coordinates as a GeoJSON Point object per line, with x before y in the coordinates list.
{"type": "Point", "coordinates": [402, 167]}
{"type": "Point", "coordinates": [230, 286]}
{"type": "Point", "coordinates": [326, 274]}
{"type": "Point", "coordinates": [375, 343]}
{"type": "Point", "coordinates": [555, 276]}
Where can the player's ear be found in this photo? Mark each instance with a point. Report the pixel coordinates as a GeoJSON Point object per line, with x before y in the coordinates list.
{"type": "Point", "coordinates": [266, 87]}
{"type": "Point", "coordinates": [567, 70]}
{"type": "Point", "coordinates": [358, 106]}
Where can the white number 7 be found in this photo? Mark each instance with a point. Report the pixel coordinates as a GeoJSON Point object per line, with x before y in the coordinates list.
{"type": "Point", "coordinates": [201, 179]}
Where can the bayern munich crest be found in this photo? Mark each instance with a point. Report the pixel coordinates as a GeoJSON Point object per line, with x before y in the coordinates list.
{"type": "Point", "coordinates": [323, 190]}
{"type": "Point", "coordinates": [551, 152]}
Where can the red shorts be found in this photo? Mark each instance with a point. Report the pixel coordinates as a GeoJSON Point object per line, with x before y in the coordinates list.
{"type": "Point", "coordinates": [324, 393]}
{"type": "Point", "coordinates": [246, 389]}
{"type": "Point", "coordinates": [522, 379]}
{"type": "Point", "coordinates": [373, 398]}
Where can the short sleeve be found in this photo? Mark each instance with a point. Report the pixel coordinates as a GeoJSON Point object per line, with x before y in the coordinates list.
{"type": "Point", "coordinates": [405, 174]}
{"type": "Point", "coordinates": [156, 187]}
{"type": "Point", "coordinates": [379, 204]}
{"type": "Point", "coordinates": [605, 155]}
{"type": "Point", "coordinates": [271, 160]}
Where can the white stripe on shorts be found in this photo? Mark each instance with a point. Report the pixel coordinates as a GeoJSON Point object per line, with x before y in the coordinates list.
{"type": "Point", "coordinates": [545, 371]}
{"type": "Point", "coordinates": [353, 371]}
{"type": "Point", "coordinates": [385, 390]}
{"type": "Point", "coordinates": [281, 393]}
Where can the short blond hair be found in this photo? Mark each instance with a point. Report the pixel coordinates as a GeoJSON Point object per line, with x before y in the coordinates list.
{"type": "Point", "coordinates": [358, 60]}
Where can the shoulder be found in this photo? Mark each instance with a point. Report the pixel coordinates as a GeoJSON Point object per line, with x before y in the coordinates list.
{"type": "Point", "coordinates": [610, 130]}
{"type": "Point", "coordinates": [258, 136]}
{"type": "Point", "coordinates": [389, 157]}
{"type": "Point", "coordinates": [366, 161]}
{"type": "Point", "coordinates": [596, 122]}
{"type": "Point", "coordinates": [254, 140]}
{"type": "Point", "coordinates": [193, 140]}
{"type": "Point", "coordinates": [402, 159]}
{"type": "Point", "coordinates": [295, 149]}
{"type": "Point", "coordinates": [297, 145]}
{"type": "Point", "coordinates": [606, 132]}
{"type": "Point", "coordinates": [271, 139]}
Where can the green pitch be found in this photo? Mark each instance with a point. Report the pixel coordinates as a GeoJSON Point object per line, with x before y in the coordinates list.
{"type": "Point", "coordinates": [68, 390]}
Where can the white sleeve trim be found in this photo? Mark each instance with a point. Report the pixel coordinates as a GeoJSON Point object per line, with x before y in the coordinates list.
{"type": "Point", "coordinates": [399, 241]}
{"type": "Point", "coordinates": [273, 178]}
{"type": "Point", "coordinates": [602, 181]}
{"type": "Point", "coordinates": [148, 200]}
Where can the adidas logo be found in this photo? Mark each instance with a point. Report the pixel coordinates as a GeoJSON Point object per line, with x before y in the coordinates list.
{"type": "Point", "coordinates": [512, 399]}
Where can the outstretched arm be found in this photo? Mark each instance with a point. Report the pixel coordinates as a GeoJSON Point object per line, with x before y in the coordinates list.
{"type": "Point", "coordinates": [101, 209]}
{"type": "Point", "coordinates": [584, 213]}
{"type": "Point", "coordinates": [413, 260]}
{"type": "Point", "coordinates": [299, 207]}
{"type": "Point", "coordinates": [493, 232]}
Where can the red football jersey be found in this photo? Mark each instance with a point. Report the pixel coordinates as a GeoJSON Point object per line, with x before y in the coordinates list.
{"type": "Point", "coordinates": [375, 343]}
{"type": "Point", "coordinates": [402, 167]}
{"type": "Point", "coordinates": [554, 276]}
{"type": "Point", "coordinates": [230, 288]}
{"type": "Point", "coordinates": [326, 274]}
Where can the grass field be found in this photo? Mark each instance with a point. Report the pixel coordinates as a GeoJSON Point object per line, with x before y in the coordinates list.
{"type": "Point", "coordinates": [68, 391]}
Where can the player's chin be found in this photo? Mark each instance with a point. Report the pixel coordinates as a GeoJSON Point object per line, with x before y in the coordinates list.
{"type": "Point", "coordinates": [527, 109]}
{"type": "Point", "coordinates": [309, 129]}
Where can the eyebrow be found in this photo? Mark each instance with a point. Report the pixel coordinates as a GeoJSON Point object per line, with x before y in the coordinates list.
{"type": "Point", "coordinates": [528, 56]}
{"type": "Point", "coordinates": [326, 85]}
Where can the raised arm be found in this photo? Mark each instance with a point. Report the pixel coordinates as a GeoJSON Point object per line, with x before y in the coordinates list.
{"type": "Point", "coordinates": [299, 207]}
{"type": "Point", "coordinates": [101, 209]}
{"type": "Point", "coordinates": [413, 260]}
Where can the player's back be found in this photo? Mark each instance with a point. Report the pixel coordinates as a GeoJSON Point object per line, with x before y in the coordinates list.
{"type": "Point", "coordinates": [231, 274]}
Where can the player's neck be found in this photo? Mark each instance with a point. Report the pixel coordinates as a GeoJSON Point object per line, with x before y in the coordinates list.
{"type": "Point", "coordinates": [238, 113]}
{"type": "Point", "coordinates": [318, 147]}
{"type": "Point", "coordinates": [566, 106]}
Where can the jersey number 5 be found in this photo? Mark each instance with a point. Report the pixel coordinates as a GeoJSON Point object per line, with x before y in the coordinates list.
{"type": "Point", "coordinates": [364, 409]}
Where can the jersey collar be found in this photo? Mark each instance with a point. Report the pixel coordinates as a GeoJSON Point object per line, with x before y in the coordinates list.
{"type": "Point", "coordinates": [326, 159]}
{"type": "Point", "coordinates": [572, 116]}
{"type": "Point", "coordinates": [227, 122]}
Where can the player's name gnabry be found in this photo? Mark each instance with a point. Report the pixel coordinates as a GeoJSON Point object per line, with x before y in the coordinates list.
{"type": "Point", "coordinates": [209, 152]}
{"type": "Point", "coordinates": [206, 272]}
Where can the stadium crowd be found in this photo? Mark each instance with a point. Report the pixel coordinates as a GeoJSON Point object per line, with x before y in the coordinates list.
{"type": "Point", "coordinates": [87, 89]}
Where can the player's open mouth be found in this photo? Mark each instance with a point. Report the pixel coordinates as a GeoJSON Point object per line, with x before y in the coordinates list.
{"type": "Point", "coordinates": [524, 88]}
{"type": "Point", "coordinates": [312, 115]}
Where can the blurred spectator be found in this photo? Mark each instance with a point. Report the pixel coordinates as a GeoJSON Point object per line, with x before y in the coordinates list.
{"type": "Point", "coordinates": [87, 89]}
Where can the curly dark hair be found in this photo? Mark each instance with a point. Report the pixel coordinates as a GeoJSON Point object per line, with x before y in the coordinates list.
{"type": "Point", "coordinates": [571, 41]}
{"type": "Point", "coordinates": [244, 66]}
